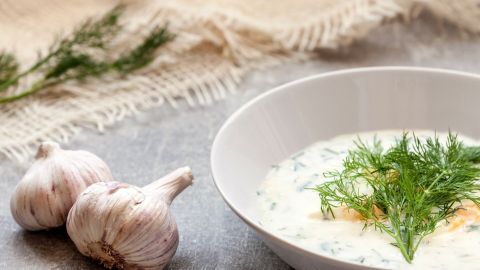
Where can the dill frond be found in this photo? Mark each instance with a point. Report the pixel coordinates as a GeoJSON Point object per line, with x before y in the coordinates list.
{"type": "Point", "coordinates": [142, 54]}
{"type": "Point", "coordinates": [8, 68]}
{"type": "Point", "coordinates": [416, 184]}
{"type": "Point", "coordinates": [72, 57]}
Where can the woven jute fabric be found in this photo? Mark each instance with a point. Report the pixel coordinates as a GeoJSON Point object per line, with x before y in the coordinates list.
{"type": "Point", "coordinates": [216, 43]}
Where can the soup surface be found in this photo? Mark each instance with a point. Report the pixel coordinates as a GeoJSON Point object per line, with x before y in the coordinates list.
{"type": "Point", "coordinates": [292, 211]}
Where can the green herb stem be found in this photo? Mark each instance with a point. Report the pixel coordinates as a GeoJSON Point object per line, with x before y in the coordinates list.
{"type": "Point", "coordinates": [68, 58]}
{"type": "Point", "coordinates": [35, 87]}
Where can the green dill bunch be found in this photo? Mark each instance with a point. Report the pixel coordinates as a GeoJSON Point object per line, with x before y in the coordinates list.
{"type": "Point", "coordinates": [75, 57]}
{"type": "Point", "coordinates": [415, 184]}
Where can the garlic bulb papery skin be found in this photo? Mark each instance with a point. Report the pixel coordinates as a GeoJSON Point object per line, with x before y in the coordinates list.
{"type": "Point", "coordinates": [126, 227]}
{"type": "Point", "coordinates": [44, 196]}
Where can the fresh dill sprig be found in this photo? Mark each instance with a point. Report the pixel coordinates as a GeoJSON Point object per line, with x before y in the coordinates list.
{"type": "Point", "coordinates": [8, 67]}
{"type": "Point", "coordinates": [73, 57]}
{"type": "Point", "coordinates": [415, 184]}
{"type": "Point", "coordinates": [142, 54]}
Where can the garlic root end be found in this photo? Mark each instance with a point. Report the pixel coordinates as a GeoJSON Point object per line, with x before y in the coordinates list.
{"type": "Point", "coordinates": [106, 255]}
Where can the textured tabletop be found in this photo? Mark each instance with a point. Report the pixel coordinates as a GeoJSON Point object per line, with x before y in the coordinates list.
{"type": "Point", "coordinates": [145, 147]}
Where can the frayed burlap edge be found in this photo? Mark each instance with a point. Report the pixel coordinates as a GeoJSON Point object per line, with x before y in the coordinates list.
{"type": "Point", "coordinates": [211, 54]}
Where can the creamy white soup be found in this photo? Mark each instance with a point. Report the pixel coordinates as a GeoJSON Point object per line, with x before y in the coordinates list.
{"type": "Point", "coordinates": [292, 211]}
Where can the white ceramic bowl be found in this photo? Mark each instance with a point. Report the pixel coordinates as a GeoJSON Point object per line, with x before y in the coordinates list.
{"type": "Point", "coordinates": [284, 120]}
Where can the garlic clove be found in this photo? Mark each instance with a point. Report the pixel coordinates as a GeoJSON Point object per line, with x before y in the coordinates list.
{"type": "Point", "coordinates": [51, 185]}
{"type": "Point", "coordinates": [124, 226]}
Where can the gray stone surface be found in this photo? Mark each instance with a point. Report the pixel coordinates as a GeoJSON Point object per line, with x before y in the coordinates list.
{"type": "Point", "coordinates": [146, 147]}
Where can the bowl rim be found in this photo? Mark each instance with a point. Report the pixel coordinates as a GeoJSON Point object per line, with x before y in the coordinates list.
{"type": "Point", "coordinates": [284, 87]}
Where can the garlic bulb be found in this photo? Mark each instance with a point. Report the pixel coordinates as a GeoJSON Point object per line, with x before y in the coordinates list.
{"type": "Point", "coordinates": [48, 190]}
{"type": "Point", "coordinates": [127, 227]}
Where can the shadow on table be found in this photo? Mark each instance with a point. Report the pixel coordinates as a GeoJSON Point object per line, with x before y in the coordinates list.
{"type": "Point", "coordinates": [53, 248]}
{"type": "Point", "coordinates": [180, 262]}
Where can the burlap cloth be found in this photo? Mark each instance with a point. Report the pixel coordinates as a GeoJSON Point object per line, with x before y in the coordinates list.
{"type": "Point", "coordinates": [217, 42]}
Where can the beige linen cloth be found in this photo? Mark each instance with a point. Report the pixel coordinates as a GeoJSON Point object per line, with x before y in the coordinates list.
{"type": "Point", "coordinates": [217, 42]}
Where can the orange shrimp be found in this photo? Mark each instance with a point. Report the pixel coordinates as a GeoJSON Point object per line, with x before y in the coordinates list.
{"type": "Point", "coordinates": [467, 214]}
